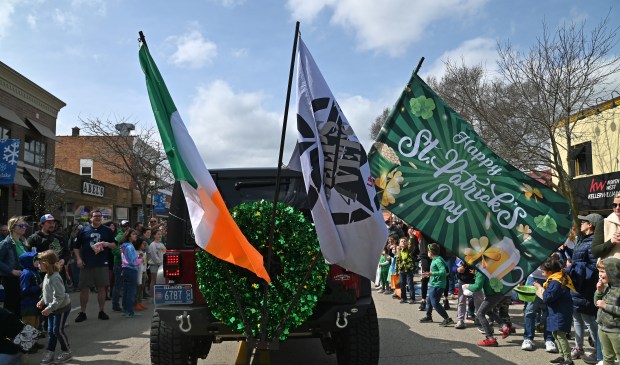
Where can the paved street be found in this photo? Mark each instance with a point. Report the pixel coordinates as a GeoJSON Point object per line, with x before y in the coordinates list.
{"type": "Point", "coordinates": [403, 340]}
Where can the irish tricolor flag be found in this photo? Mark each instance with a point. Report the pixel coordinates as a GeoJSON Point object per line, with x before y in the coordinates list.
{"type": "Point", "coordinates": [213, 226]}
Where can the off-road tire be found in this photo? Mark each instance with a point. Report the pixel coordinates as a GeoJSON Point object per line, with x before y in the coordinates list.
{"type": "Point", "coordinates": [169, 346]}
{"type": "Point", "coordinates": [358, 344]}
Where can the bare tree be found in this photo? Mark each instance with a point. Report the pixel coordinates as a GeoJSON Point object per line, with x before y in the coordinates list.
{"type": "Point", "coordinates": [140, 156]}
{"type": "Point", "coordinates": [46, 195]}
{"type": "Point", "coordinates": [375, 127]}
{"type": "Point", "coordinates": [528, 114]}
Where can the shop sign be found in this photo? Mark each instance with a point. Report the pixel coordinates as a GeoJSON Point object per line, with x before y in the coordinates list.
{"type": "Point", "coordinates": [597, 192]}
{"type": "Point", "coordinates": [89, 188]}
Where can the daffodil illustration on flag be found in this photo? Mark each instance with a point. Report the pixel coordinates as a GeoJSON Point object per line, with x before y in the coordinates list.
{"type": "Point", "coordinates": [213, 226]}
{"type": "Point", "coordinates": [341, 193]}
{"type": "Point", "coordinates": [434, 172]}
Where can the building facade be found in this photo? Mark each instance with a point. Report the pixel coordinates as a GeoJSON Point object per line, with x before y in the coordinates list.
{"type": "Point", "coordinates": [83, 194]}
{"type": "Point", "coordinates": [98, 186]}
{"type": "Point", "coordinates": [595, 156]}
{"type": "Point", "coordinates": [29, 113]}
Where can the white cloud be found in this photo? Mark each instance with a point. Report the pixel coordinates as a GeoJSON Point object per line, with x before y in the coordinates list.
{"type": "Point", "coordinates": [100, 6]}
{"type": "Point", "coordinates": [229, 3]}
{"type": "Point", "coordinates": [471, 52]}
{"type": "Point", "coordinates": [362, 112]}
{"type": "Point", "coordinates": [7, 8]}
{"type": "Point", "coordinates": [233, 129]}
{"type": "Point", "coordinates": [193, 50]}
{"type": "Point", "coordinates": [32, 21]}
{"type": "Point", "coordinates": [65, 19]}
{"type": "Point", "coordinates": [307, 10]}
{"type": "Point", "coordinates": [386, 26]}
{"type": "Point", "coordinates": [240, 53]}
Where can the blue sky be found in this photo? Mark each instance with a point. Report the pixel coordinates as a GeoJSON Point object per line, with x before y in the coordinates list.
{"type": "Point", "coordinates": [226, 62]}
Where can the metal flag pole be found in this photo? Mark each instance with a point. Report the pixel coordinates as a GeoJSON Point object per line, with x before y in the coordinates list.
{"type": "Point", "coordinates": [263, 344]}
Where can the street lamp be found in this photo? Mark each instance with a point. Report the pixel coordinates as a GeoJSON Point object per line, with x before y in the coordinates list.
{"type": "Point", "coordinates": [152, 183]}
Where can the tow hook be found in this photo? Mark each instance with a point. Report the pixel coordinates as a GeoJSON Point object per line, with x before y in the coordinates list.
{"type": "Point", "coordinates": [345, 322]}
{"type": "Point", "coordinates": [181, 318]}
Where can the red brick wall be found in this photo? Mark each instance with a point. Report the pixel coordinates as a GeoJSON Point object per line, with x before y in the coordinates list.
{"type": "Point", "coordinates": [72, 149]}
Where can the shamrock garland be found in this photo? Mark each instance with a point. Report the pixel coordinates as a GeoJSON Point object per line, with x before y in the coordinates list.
{"type": "Point", "coordinates": [295, 247]}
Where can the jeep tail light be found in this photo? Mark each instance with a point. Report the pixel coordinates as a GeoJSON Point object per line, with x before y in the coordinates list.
{"type": "Point", "coordinates": [172, 265]}
{"type": "Point", "coordinates": [348, 279]}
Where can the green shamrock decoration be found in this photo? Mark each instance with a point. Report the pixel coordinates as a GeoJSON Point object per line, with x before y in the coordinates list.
{"type": "Point", "coordinates": [496, 284]}
{"type": "Point", "coordinates": [422, 107]}
{"type": "Point", "coordinates": [546, 223]}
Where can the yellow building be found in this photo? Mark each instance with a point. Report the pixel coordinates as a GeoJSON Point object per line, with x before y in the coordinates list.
{"type": "Point", "coordinates": [595, 152]}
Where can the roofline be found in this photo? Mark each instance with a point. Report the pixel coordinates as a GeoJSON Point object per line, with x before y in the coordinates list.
{"type": "Point", "coordinates": [594, 110]}
{"type": "Point", "coordinates": [50, 103]}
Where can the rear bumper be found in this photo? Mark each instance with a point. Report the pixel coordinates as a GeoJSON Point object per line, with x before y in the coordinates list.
{"type": "Point", "coordinates": [198, 321]}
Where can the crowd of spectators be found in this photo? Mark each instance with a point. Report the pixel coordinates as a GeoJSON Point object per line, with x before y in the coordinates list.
{"type": "Point", "coordinates": [577, 291]}
{"type": "Point", "coordinates": [38, 269]}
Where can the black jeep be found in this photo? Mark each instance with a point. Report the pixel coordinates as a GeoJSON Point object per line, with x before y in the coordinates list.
{"type": "Point", "coordinates": [344, 319]}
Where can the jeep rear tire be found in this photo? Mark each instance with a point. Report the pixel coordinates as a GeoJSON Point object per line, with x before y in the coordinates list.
{"type": "Point", "coordinates": [359, 343]}
{"type": "Point", "coordinates": [169, 346]}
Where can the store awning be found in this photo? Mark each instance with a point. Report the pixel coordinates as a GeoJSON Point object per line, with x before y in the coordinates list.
{"type": "Point", "coordinates": [10, 115]}
{"type": "Point", "coordinates": [46, 178]}
{"type": "Point", "coordinates": [43, 130]}
{"type": "Point", "coordinates": [20, 180]}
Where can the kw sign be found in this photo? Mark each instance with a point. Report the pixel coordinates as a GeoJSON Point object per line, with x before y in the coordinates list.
{"type": "Point", "coordinates": [89, 188]}
{"type": "Point", "coordinates": [597, 192]}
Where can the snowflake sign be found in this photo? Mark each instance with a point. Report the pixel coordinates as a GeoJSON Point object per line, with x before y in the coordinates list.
{"type": "Point", "coordinates": [8, 164]}
{"type": "Point", "coordinates": [11, 152]}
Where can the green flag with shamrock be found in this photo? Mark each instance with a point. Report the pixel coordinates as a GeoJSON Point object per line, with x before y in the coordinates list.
{"type": "Point", "coordinates": [434, 172]}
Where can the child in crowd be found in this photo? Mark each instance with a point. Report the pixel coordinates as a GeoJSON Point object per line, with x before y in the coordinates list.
{"type": "Point", "coordinates": [535, 318]}
{"type": "Point", "coordinates": [155, 254]}
{"type": "Point", "coordinates": [491, 299]}
{"type": "Point", "coordinates": [555, 292]}
{"type": "Point", "coordinates": [405, 267]}
{"type": "Point", "coordinates": [503, 311]}
{"type": "Point", "coordinates": [608, 317]}
{"type": "Point", "coordinates": [30, 287]}
{"type": "Point", "coordinates": [466, 275]}
{"type": "Point", "coordinates": [384, 265]}
{"type": "Point", "coordinates": [141, 249]}
{"type": "Point", "coordinates": [131, 267]}
{"type": "Point", "coordinates": [436, 285]}
{"type": "Point", "coordinates": [56, 305]}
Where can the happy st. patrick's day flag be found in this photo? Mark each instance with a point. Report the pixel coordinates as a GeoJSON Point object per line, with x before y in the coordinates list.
{"type": "Point", "coordinates": [434, 172]}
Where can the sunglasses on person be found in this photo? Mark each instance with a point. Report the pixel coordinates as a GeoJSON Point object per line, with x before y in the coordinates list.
{"type": "Point", "coordinates": [585, 222]}
{"type": "Point", "coordinates": [615, 205]}
{"type": "Point", "coordinates": [23, 225]}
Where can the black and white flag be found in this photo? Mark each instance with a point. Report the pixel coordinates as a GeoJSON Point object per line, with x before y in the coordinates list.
{"type": "Point", "coordinates": [341, 191]}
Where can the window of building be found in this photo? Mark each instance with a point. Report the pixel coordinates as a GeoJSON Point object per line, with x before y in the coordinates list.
{"type": "Point", "coordinates": [5, 133]}
{"type": "Point", "coordinates": [86, 167]}
{"type": "Point", "coordinates": [582, 155]}
{"type": "Point", "coordinates": [35, 152]}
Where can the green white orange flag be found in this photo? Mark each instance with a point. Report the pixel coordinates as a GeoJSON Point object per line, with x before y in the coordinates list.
{"type": "Point", "coordinates": [214, 228]}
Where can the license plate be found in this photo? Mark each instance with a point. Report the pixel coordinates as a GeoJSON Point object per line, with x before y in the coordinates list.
{"type": "Point", "coordinates": [174, 294]}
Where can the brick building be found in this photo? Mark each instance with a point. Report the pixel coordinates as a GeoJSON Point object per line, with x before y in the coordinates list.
{"type": "Point", "coordinates": [28, 113]}
{"type": "Point", "coordinates": [93, 184]}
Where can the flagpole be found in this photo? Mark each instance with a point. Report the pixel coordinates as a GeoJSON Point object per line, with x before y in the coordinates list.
{"type": "Point", "coordinates": [142, 38]}
{"type": "Point", "coordinates": [263, 344]}
{"type": "Point", "coordinates": [417, 68]}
